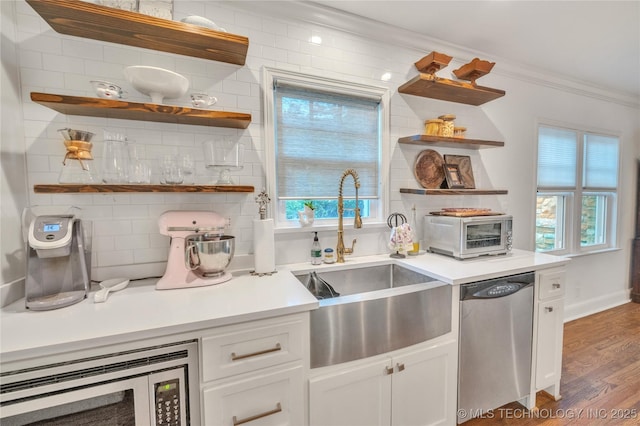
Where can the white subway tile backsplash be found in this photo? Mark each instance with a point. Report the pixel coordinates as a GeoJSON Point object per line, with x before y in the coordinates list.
{"type": "Point", "coordinates": [120, 256]}
{"type": "Point", "coordinates": [149, 255]}
{"type": "Point", "coordinates": [30, 59]}
{"type": "Point", "coordinates": [111, 227]}
{"type": "Point", "coordinates": [125, 229]}
{"type": "Point", "coordinates": [41, 43]}
{"type": "Point", "coordinates": [46, 78]}
{"type": "Point", "coordinates": [76, 47]}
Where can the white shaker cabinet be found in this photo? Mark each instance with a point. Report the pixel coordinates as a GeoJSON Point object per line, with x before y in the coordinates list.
{"type": "Point", "coordinates": [415, 385]}
{"type": "Point", "coordinates": [549, 332]}
{"type": "Point", "coordinates": [254, 373]}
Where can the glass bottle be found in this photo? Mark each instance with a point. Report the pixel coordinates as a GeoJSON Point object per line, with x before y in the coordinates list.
{"type": "Point", "coordinates": [414, 233]}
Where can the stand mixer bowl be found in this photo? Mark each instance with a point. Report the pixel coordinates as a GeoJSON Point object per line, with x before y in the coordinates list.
{"type": "Point", "coordinates": [209, 255]}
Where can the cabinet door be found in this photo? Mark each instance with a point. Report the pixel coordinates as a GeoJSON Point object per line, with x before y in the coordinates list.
{"type": "Point", "coordinates": [424, 386]}
{"type": "Point", "coordinates": [549, 348]}
{"type": "Point", "coordinates": [275, 398]}
{"type": "Point", "coordinates": [356, 396]}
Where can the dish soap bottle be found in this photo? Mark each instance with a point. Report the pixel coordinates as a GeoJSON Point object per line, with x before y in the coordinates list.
{"type": "Point", "coordinates": [316, 251]}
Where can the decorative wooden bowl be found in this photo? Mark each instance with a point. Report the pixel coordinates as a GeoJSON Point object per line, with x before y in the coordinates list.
{"type": "Point", "coordinates": [474, 70]}
{"type": "Point", "coordinates": [433, 62]}
{"type": "Point", "coordinates": [428, 169]}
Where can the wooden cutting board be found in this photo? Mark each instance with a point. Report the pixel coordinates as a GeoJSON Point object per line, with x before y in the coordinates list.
{"type": "Point", "coordinates": [466, 213]}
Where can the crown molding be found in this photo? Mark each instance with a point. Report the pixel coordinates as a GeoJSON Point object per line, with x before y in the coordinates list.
{"type": "Point", "coordinates": [320, 15]}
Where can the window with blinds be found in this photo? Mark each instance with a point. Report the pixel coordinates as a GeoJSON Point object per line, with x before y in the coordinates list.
{"type": "Point", "coordinates": [320, 128]}
{"type": "Point", "coordinates": [319, 134]}
{"type": "Point", "coordinates": [577, 190]}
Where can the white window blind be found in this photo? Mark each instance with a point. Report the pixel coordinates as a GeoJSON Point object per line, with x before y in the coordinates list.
{"type": "Point", "coordinates": [556, 158]}
{"type": "Point", "coordinates": [319, 134]}
{"type": "Point", "coordinates": [600, 162]}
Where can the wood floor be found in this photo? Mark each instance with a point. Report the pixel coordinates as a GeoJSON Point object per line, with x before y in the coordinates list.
{"type": "Point", "coordinates": [600, 376]}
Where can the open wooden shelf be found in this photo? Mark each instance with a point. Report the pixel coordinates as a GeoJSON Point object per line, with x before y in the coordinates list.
{"type": "Point", "coordinates": [443, 141]}
{"type": "Point", "coordinates": [88, 20]}
{"type": "Point", "coordinates": [423, 191]}
{"type": "Point", "coordinates": [430, 86]}
{"type": "Point", "coordinates": [108, 108]}
{"type": "Point", "coordinates": [93, 188]}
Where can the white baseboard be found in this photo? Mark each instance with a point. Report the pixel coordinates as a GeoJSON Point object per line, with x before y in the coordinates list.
{"type": "Point", "coordinates": [595, 305]}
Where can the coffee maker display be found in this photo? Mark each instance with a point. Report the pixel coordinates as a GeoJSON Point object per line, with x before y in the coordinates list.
{"type": "Point", "coordinates": [58, 263]}
{"type": "Point", "coordinates": [199, 252]}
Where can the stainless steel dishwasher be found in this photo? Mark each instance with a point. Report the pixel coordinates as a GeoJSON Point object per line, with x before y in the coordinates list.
{"type": "Point", "coordinates": [496, 329]}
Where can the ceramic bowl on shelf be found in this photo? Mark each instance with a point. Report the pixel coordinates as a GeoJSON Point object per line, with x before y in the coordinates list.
{"type": "Point", "coordinates": [202, 100]}
{"type": "Point", "coordinates": [202, 22]}
{"type": "Point", "coordinates": [158, 83]}
{"type": "Point", "coordinates": [108, 90]}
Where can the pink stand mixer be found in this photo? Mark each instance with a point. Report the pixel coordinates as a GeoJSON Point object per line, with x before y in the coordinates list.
{"type": "Point", "coordinates": [199, 252]}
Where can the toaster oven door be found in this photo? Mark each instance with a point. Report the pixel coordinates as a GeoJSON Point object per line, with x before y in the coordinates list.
{"type": "Point", "coordinates": [484, 237]}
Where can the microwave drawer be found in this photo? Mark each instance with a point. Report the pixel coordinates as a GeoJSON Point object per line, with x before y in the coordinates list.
{"type": "Point", "coordinates": [248, 347]}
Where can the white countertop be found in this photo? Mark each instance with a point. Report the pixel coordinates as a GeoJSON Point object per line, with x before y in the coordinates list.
{"type": "Point", "coordinates": [140, 312]}
{"type": "Point", "coordinates": [452, 271]}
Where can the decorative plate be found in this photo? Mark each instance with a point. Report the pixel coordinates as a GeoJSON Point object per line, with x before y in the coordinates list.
{"type": "Point", "coordinates": [428, 169]}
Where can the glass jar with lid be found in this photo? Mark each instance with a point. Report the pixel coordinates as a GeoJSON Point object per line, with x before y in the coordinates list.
{"type": "Point", "coordinates": [448, 123]}
{"type": "Point", "coordinates": [459, 132]}
{"type": "Point", "coordinates": [432, 127]}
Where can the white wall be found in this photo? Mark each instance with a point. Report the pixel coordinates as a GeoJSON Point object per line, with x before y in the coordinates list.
{"type": "Point", "coordinates": [13, 189]}
{"type": "Point", "coordinates": [126, 240]}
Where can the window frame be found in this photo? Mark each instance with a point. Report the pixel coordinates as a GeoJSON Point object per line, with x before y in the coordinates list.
{"type": "Point", "coordinates": [573, 197]}
{"type": "Point", "coordinates": [270, 75]}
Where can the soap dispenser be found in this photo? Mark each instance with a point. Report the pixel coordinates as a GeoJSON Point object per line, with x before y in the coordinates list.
{"type": "Point", "coordinates": [316, 251]}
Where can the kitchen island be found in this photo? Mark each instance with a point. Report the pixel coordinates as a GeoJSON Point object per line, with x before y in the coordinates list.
{"type": "Point", "coordinates": [272, 310]}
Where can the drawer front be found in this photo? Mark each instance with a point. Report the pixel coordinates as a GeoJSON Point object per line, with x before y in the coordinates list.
{"type": "Point", "coordinates": [267, 399]}
{"type": "Point", "coordinates": [552, 284]}
{"type": "Point", "coordinates": [237, 350]}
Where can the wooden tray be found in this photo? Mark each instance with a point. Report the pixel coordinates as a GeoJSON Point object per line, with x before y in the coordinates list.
{"type": "Point", "coordinates": [466, 213]}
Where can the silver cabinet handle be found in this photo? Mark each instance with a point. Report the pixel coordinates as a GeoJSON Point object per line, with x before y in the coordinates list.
{"type": "Point", "coordinates": [388, 370]}
{"type": "Point", "coordinates": [549, 309]}
{"type": "Point", "coordinates": [235, 357]}
{"type": "Point", "coordinates": [237, 422]}
{"type": "Point", "coordinates": [400, 367]}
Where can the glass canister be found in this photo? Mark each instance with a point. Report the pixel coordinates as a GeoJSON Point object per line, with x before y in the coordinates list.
{"type": "Point", "coordinates": [448, 124]}
{"type": "Point", "coordinates": [459, 132]}
{"type": "Point", "coordinates": [115, 158]}
{"type": "Point", "coordinates": [432, 127]}
{"type": "Point", "coordinates": [328, 256]}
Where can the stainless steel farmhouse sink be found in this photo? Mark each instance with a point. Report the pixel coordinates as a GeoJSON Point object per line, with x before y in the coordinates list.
{"type": "Point", "coordinates": [380, 308]}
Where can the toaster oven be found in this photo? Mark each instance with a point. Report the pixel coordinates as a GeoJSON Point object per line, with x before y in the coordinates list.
{"type": "Point", "coordinates": [467, 237]}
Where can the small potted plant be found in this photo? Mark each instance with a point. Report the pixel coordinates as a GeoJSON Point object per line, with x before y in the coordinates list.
{"type": "Point", "coordinates": [307, 216]}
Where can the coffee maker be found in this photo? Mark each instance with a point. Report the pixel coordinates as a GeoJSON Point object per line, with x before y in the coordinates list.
{"type": "Point", "coordinates": [58, 263]}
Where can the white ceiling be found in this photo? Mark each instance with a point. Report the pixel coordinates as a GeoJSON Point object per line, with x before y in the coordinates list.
{"type": "Point", "coordinates": [593, 42]}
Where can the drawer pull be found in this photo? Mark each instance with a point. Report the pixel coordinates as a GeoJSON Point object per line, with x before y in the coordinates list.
{"type": "Point", "coordinates": [388, 370]}
{"type": "Point", "coordinates": [237, 422]}
{"type": "Point", "coordinates": [556, 285]}
{"type": "Point", "coordinates": [549, 309]}
{"type": "Point", "coordinates": [235, 357]}
{"type": "Point", "coordinates": [400, 367]}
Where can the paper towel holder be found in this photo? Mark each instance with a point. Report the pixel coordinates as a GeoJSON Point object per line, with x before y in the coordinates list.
{"type": "Point", "coordinates": [262, 199]}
